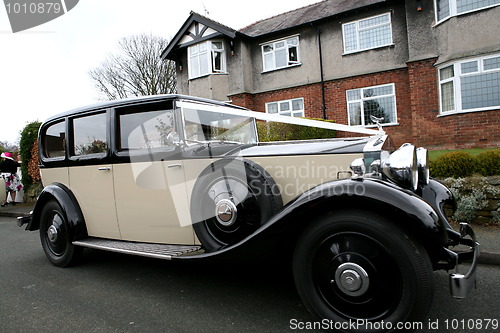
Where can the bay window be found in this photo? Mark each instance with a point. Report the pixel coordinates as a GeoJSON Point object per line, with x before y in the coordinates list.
{"type": "Point", "coordinates": [449, 8]}
{"type": "Point", "coordinates": [206, 58]}
{"type": "Point", "coordinates": [470, 85]}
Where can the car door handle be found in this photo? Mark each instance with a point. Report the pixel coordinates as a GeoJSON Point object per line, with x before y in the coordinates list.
{"type": "Point", "coordinates": [177, 165]}
{"type": "Point", "coordinates": [105, 168]}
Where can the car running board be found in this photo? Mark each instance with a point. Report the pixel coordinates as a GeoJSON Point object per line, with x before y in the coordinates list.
{"type": "Point", "coordinates": [159, 251]}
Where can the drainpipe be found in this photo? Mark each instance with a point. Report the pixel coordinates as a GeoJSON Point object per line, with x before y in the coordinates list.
{"type": "Point", "coordinates": [323, 102]}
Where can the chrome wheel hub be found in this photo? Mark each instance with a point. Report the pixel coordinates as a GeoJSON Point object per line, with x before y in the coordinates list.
{"type": "Point", "coordinates": [52, 233]}
{"type": "Point", "coordinates": [352, 279]}
{"type": "Point", "coordinates": [226, 212]}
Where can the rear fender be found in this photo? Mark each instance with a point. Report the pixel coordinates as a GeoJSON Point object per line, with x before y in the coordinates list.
{"type": "Point", "coordinates": [69, 205]}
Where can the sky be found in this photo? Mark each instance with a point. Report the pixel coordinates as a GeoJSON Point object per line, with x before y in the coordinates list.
{"type": "Point", "coordinates": [44, 70]}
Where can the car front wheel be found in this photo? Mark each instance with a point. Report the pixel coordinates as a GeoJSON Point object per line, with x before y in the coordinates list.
{"type": "Point", "coordinates": [361, 271]}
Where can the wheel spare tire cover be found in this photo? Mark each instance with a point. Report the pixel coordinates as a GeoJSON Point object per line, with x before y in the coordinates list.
{"type": "Point", "coordinates": [231, 199]}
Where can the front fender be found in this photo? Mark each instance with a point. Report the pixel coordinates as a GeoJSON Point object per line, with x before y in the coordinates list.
{"type": "Point", "coordinates": [408, 210]}
{"type": "Point", "coordinates": [69, 205]}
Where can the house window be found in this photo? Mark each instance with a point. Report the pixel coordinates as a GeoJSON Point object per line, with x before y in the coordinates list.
{"type": "Point", "coordinates": [281, 53]}
{"type": "Point", "coordinates": [470, 85]}
{"type": "Point", "coordinates": [369, 33]}
{"type": "Point", "coordinates": [366, 106]}
{"type": "Point", "coordinates": [206, 58]}
{"type": "Point", "coordinates": [290, 107]}
{"type": "Point", "coordinates": [448, 8]}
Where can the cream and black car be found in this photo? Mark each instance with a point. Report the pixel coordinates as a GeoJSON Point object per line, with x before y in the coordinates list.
{"type": "Point", "coordinates": [182, 178]}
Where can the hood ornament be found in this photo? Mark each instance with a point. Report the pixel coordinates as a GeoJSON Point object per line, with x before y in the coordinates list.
{"type": "Point", "coordinates": [377, 121]}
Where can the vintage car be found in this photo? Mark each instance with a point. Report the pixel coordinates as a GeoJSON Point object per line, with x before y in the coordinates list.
{"type": "Point", "coordinates": [182, 178]}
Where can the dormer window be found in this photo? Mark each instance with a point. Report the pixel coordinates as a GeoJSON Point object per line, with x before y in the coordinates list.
{"type": "Point", "coordinates": [281, 53]}
{"type": "Point", "coordinates": [206, 58]}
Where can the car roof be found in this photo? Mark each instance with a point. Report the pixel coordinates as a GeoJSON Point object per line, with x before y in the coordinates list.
{"type": "Point", "coordinates": [136, 100]}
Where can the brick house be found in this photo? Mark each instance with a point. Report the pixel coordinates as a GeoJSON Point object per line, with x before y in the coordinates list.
{"type": "Point", "coordinates": [429, 68]}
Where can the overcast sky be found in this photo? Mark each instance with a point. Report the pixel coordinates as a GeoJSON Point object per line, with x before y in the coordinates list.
{"type": "Point", "coordinates": [44, 70]}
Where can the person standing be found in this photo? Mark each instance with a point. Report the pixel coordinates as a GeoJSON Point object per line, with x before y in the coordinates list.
{"type": "Point", "coordinates": [8, 169]}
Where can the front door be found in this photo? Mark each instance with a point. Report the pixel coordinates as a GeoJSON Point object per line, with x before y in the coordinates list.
{"type": "Point", "coordinates": [148, 176]}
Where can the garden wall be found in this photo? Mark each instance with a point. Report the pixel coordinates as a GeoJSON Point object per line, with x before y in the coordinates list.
{"type": "Point", "coordinates": [478, 199]}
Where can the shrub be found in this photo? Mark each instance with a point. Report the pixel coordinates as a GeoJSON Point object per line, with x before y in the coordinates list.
{"type": "Point", "coordinates": [33, 169]}
{"type": "Point", "coordinates": [488, 162]}
{"type": "Point", "coordinates": [454, 164]}
{"type": "Point", "coordinates": [28, 136]}
{"type": "Point", "coordinates": [273, 131]}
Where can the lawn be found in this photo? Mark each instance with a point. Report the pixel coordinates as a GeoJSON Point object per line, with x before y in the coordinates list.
{"type": "Point", "coordinates": [433, 154]}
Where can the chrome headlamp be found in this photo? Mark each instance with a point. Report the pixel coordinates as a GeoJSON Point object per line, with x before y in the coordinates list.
{"type": "Point", "coordinates": [402, 167]}
{"type": "Point", "coordinates": [407, 167]}
{"type": "Point", "coordinates": [423, 165]}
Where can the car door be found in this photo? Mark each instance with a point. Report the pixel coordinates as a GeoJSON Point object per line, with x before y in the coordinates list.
{"type": "Point", "coordinates": [150, 192]}
{"type": "Point", "coordinates": [91, 174]}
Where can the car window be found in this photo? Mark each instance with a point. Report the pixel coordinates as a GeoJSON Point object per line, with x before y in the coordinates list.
{"type": "Point", "coordinates": [201, 125]}
{"type": "Point", "coordinates": [89, 134]}
{"type": "Point", "coordinates": [54, 140]}
{"type": "Point", "coordinates": [146, 130]}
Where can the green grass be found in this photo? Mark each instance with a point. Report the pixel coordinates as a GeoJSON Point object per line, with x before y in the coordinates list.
{"type": "Point", "coordinates": [433, 154]}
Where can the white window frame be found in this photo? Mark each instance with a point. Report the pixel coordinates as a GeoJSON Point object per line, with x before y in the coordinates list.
{"type": "Point", "coordinates": [290, 109]}
{"type": "Point", "coordinates": [276, 47]}
{"type": "Point", "coordinates": [456, 79]}
{"type": "Point", "coordinates": [360, 29]}
{"type": "Point", "coordinates": [208, 56]}
{"type": "Point", "coordinates": [362, 99]}
{"type": "Point", "coordinates": [452, 5]}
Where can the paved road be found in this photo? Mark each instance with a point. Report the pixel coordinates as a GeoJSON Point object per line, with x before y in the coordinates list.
{"type": "Point", "coordinates": [117, 293]}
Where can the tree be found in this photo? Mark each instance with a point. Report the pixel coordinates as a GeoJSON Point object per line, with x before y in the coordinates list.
{"type": "Point", "coordinates": [137, 70]}
{"type": "Point", "coordinates": [7, 146]}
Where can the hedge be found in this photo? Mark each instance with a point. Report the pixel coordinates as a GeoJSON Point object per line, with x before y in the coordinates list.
{"type": "Point", "coordinates": [488, 163]}
{"type": "Point", "coordinates": [462, 164]}
{"type": "Point", "coordinates": [28, 136]}
{"type": "Point", "coordinates": [274, 131]}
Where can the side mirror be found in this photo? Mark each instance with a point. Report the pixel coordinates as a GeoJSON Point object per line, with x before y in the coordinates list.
{"type": "Point", "coordinates": [173, 139]}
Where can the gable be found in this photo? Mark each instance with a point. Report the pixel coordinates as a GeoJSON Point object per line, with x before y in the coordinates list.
{"type": "Point", "coordinates": [197, 28]}
{"type": "Point", "coordinates": [197, 32]}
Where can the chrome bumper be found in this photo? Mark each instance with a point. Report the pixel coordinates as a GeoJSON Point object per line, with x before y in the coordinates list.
{"type": "Point", "coordinates": [21, 220]}
{"type": "Point", "coordinates": [460, 284]}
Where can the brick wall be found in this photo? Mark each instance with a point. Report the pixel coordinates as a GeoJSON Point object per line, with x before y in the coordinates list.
{"type": "Point", "coordinates": [417, 103]}
{"type": "Point", "coordinates": [464, 130]}
{"type": "Point", "coordinates": [336, 100]}
{"type": "Point", "coordinates": [244, 100]}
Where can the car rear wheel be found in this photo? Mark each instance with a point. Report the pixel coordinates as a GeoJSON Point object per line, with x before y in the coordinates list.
{"type": "Point", "coordinates": [231, 199]}
{"type": "Point", "coordinates": [54, 235]}
{"type": "Point", "coordinates": [358, 267]}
